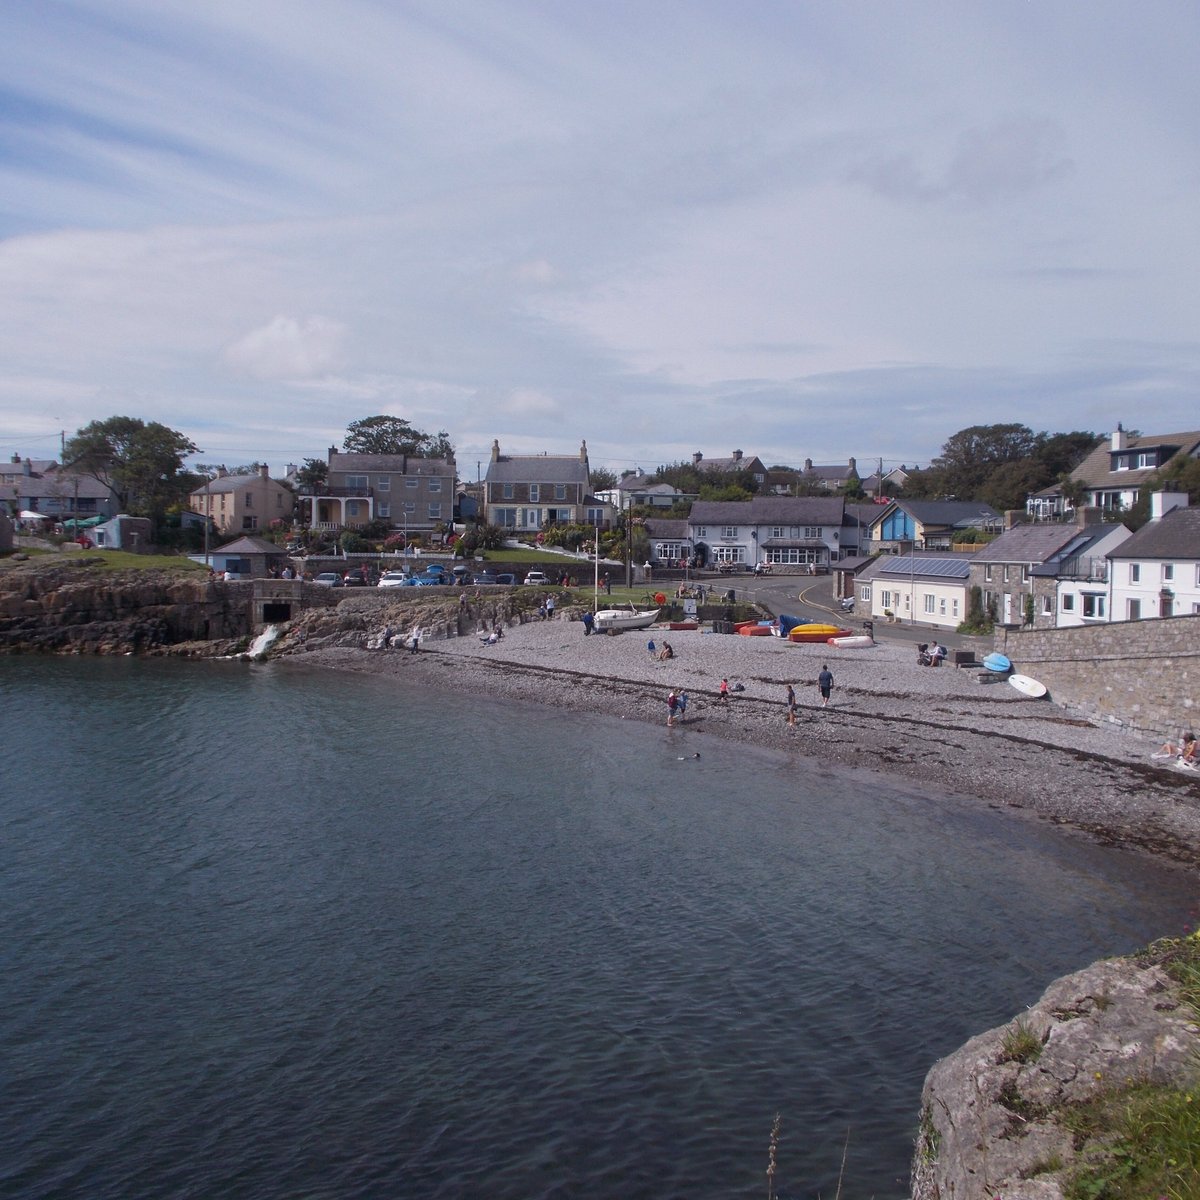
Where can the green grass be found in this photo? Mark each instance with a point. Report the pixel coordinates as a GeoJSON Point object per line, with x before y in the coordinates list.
{"type": "Point", "coordinates": [1021, 1044]}
{"type": "Point", "coordinates": [1143, 1142]}
{"type": "Point", "coordinates": [1140, 1143]}
{"type": "Point", "coordinates": [122, 560]}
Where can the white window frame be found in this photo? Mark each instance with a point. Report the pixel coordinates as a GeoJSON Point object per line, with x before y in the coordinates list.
{"type": "Point", "coordinates": [383, 483]}
{"type": "Point", "coordinates": [534, 494]}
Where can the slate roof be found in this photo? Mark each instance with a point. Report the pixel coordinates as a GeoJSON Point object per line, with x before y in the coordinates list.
{"type": "Point", "coordinates": [537, 468]}
{"type": "Point", "coordinates": [395, 464]}
{"type": "Point", "coordinates": [1175, 536]}
{"type": "Point", "coordinates": [250, 545]}
{"type": "Point", "coordinates": [1096, 468]}
{"type": "Point", "coordinates": [62, 484]}
{"type": "Point", "coordinates": [668, 528]}
{"type": "Point", "coordinates": [770, 510]}
{"type": "Point", "coordinates": [953, 514]}
{"type": "Point", "coordinates": [1083, 545]}
{"type": "Point", "coordinates": [226, 484]}
{"type": "Point", "coordinates": [1026, 544]}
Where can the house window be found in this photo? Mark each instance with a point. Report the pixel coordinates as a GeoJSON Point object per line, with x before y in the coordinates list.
{"type": "Point", "coordinates": [729, 531]}
{"type": "Point", "coordinates": [1168, 572]}
{"type": "Point", "coordinates": [506, 518]}
{"type": "Point", "coordinates": [1093, 606]}
{"type": "Point", "coordinates": [560, 491]}
{"type": "Point", "coordinates": [1047, 608]}
{"type": "Point", "coordinates": [813, 531]}
{"type": "Point", "coordinates": [352, 508]}
{"type": "Point", "coordinates": [383, 510]}
{"type": "Point", "coordinates": [1068, 602]}
{"type": "Point", "coordinates": [930, 601]}
{"type": "Point", "coordinates": [1135, 572]}
{"type": "Point", "coordinates": [702, 531]}
{"type": "Point", "coordinates": [507, 491]}
{"type": "Point", "coordinates": [410, 508]}
{"type": "Point", "coordinates": [383, 483]}
{"type": "Point", "coordinates": [954, 608]}
{"type": "Point", "coordinates": [1133, 610]}
{"type": "Point", "coordinates": [777, 531]}
{"type": "Point", "coordinates": [434, 484]}
{"type": "Point", "coordinates": [411, 481]}
{"type": "Point", "coordinates": [1006, 572]}
{"type": "Point", "coordinates": [534, 493]}
{"type": "Point", "coordinates": [942, 606]}
{"type": "Point", "coordinates": [249, 522]}
{"type": "Point", "coordinates": [356, 481]}
{"type": "Point", "coordinates": [987, 573]}
{"type": "Point", "coordinates": [435, 512]}
{"type": "Point", "coordinates": [1024, 574]}
{"type": "Point", "coordinates": [593, 516]}
{"type": "Point", "coordinates": [864, 593]}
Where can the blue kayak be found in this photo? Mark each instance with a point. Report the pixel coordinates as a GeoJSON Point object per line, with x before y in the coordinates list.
{"type": "Point", "coordinates": [998, 663]}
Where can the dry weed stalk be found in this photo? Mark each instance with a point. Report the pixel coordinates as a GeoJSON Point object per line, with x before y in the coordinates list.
{"type": "Point", "coordinates": [774, 1146]}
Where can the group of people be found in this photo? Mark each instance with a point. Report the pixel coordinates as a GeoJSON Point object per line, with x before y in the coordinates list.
{"type": "Point", "coordinates": [677, 701]}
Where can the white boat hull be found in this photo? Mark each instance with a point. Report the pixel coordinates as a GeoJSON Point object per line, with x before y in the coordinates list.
{"type": "Point", "coordinates": [615, 620]}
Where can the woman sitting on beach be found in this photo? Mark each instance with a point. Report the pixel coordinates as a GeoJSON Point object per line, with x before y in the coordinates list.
{"type": "Point", "coordinates": [1185, 751]}
{"type": "Point", "coordinates": [666, 652]}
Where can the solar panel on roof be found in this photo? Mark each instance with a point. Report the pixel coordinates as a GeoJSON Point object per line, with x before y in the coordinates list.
{"type": "Point", "coordinates": [947, 568]}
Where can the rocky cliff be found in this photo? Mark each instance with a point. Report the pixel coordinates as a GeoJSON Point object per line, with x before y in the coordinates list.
{"type": "Point", "coordinates": [81, 607]}
{"type": "Point", "coordinates": [997, 1115]}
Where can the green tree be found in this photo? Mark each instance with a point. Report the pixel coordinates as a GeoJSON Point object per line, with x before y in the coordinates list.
{"type": "Point", "coordinates": [312, 473]}
{"type": "Point", "coordinates": [602, 479]}
{"type": "Point", "coordinates": [140, 462]}
{"type": "Point", "coordinates": [1061, 453]}
{"type": "Point", "coordinates": [970, 456]}
{"type": "Point", "coordinates": [394, 435]}
{"type": "Point", "coordinates": [1181, 474]}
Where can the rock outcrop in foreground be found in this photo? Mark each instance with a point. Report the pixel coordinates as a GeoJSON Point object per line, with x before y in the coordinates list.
{"type": "Point", "coordinates": [82, 607]}
{"type": "Point", "coordinates": [993, 1125]}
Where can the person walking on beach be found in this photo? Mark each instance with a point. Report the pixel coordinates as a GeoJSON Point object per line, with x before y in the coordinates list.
{"type": "Point", "coordinates": [650, 647]}
{"type": "Point", "coordinates": [825, 683]}
{"type": "Point", "coordinates": [587, 624]}
{"type": "Point", "coordinates": [549, 607]}
{"type": "Point", "coordinates": [723, 693]}
{"type": "Point", "coordinates": [683, 703]}
{"type": "Point", "coordinates": [672, 708]}
{"type": "Point", "coordinates": [791, 705]}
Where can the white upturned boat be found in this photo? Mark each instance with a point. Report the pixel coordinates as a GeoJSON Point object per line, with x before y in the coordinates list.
{"type": "Point", "coordinates": [616, 620]}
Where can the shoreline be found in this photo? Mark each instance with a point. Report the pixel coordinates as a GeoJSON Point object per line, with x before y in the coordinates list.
{"type": "Point", "coordinates": [887, 715]}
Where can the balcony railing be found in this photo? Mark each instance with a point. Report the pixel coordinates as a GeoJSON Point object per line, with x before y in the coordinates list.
{"type": "Point", "coordinates": [1089, 570]}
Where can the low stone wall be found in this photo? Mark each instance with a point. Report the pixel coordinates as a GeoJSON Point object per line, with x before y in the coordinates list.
{"type": "Point", "coordinates": [1142, 674]}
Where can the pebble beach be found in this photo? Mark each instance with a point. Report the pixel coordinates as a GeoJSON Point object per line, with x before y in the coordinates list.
{"type": "Point", "coordinates": [940, 726]}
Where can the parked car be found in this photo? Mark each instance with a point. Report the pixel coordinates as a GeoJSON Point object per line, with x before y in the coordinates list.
{"type": "Point", "coordinates": [425, 580]}
{"type": "Point", "coordinates": [486, 579]}
{"type": "Point", "coordinates": [461, 573]}
{"type": "Point", "coordinates": [435, 569]}
{"type": "Point", "coordinates": [506, 578]}
{"type": "Point", "coordinates": [354, 580]}
{"type": "Point", "coordinates": [536, 579]}
{"type": "Point", "coordinates": [392, 579]}
{"type": "Point", "coordinates": [328, 579]}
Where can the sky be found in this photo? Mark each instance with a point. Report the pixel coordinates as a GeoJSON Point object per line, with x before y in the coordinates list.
{"type": "Point", "coordinates": [805, 230]}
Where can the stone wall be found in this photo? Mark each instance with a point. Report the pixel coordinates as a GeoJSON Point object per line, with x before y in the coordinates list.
{"type": "Point", "coordinates": [1143, 674]}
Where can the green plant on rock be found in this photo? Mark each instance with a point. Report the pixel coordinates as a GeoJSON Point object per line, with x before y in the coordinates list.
{"type": "Point", "coordinates": [1021, 1044]}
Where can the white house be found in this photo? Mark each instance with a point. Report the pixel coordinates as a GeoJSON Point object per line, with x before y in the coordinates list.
{"type": "Point", "coordinates": [1156, 572]}
{"type": "Point", "coordinates": [787, 531]}
{"type": "Point", "coordinates": [918, 589]}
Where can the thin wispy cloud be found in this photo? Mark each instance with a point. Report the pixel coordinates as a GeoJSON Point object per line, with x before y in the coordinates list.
{"type": "Point", "coordinates": [802, 231]}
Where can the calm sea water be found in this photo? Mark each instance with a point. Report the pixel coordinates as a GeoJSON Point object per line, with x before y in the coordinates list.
{"type": "Point", "coordinates": [277, 933]}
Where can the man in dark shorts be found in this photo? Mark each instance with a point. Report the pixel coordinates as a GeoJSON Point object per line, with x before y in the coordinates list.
{"type": "Point", "coordinates": [825, 683]}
